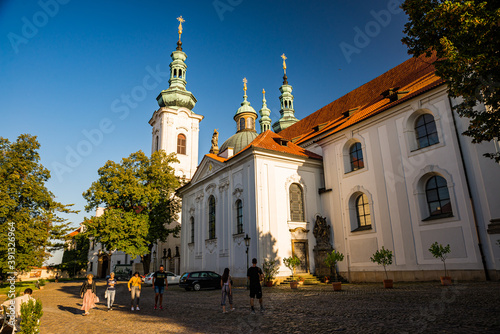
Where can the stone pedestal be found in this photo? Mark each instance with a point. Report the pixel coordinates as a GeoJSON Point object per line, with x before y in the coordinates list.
{"type": "Point", "coordinates": [320, 254]}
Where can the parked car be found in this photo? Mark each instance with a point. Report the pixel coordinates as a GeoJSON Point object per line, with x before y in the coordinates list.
{"type": "Point", "coordinates": [197, 280]}
{"type": "Point", "coordinates": [171, 278]}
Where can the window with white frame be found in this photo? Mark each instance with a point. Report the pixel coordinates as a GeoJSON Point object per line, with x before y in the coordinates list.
{"type": "Point", "coordinates": [239, 217]}
{"type": "Point", "coordinates": [211, 217]}
{"type": "Point", "coordinates": [356, 157]}
{"type": "Point", "coordinates": [426, 131]}
{"type": "Point", "coordinates": [438, 198]}
{"type": "Point", "coordinates": [296, 203]}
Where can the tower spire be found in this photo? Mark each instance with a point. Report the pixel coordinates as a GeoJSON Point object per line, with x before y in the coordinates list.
{"type": "Point", "coordinates": [265, 121]}
{"type": "Point", "coordinates": [179, 43]}
{"type": "Point", "coordinates": [245, 89]}
{"type": "Point", "coordinates": [177, 95]}
{"type": "Point", "coordinates": [286, 100]}
{"type": "Point", "coordinates": [285, 79]}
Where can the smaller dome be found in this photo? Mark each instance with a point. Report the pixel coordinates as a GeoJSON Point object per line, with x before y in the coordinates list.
{"type": "Point", "coordinates": [239, 141]}
{"type": "Point", "coordinates": [245, 108]}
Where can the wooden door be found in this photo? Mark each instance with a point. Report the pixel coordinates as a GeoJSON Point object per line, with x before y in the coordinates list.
{"type": "Point", "coordinates": [300, 251]}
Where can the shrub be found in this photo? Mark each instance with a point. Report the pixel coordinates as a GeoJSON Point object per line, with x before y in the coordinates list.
{"type": "Point", "coordinates": [383, 257]}
{"type": "Point", "coordinates": [31, 312]}
{"type": "Point", "coordinates": [271, 269]}
{"type": "Point", "coordinates": [440, 252]}
{"type": "Point", "coordinates": [332, 259]}
{"type": "Point", "coordinates": [291, 263]}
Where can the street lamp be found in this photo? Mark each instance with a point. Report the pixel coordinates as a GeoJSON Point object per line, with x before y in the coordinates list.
{"type": "Point", "coordinates": [154, 260]}
{"type": "Point", "coordinates": [247, 243]}
{"type": "Point", "coordinates": [164, 257]}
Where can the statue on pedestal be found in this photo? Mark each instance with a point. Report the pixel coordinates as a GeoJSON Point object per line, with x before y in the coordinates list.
{"type": "Point", "coordinates": [215, 142]}
{"type": "Point", "coordinates": [323, 246]}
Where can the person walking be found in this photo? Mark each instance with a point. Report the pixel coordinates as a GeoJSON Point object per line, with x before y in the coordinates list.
{"type": "Point", "coordinates": [160, 283]}
{"type": "Point", "coordinates": [88, 293]}
{"type": "Point", "coordinates": [255, 276]}
{"type": "Point", "coordinates": [225, 284]}
{"type": "Point", "coordinates": [111, 290]}
{"type": "Point", "coordinates": [135, 290]}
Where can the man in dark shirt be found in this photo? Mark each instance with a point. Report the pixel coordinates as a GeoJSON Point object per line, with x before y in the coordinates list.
{"type": "Point", "coordinates": [160, 283]}
{"type": "Point", "coordinates": [255, 276]}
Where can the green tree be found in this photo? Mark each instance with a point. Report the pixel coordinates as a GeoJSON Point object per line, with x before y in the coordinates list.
{"type": "Point", "coordinates": [139, 197]}
{"type": "Point", "coordinates": [31, 313]}
{"type": "Point", "coordinates": [75, 256]}
{"type": "Point", "coordinates": [464, 36]}
{"type": "Point", "coordinates": [28, 212]}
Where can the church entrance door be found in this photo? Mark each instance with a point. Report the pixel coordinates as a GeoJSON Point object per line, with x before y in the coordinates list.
{"type": "Point", "coordinates": [299, 250]}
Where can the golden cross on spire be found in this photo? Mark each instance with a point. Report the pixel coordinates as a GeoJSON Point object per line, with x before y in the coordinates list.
{"type": "Point", "coordinates": [181, 20]}
{"type": "Point", "coordinates": [284, 63]}
{"type": "Point", "coordinates": [245, 85]}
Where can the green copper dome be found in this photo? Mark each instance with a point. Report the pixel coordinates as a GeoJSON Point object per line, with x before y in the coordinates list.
{"type": "Point", "coordinates": [245, 108]}
{"type": "Point", "coordinates": [239, 141]}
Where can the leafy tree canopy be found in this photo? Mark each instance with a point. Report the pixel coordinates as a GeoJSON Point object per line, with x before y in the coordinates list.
{"type": "Point", "coordinates": [139, 197]}
{"type": "Point", "coordinates": [28, 211]}
{"type": "Point", "coordinates": [75, 256]}
{"type": "Point", "coordinates": [464, 36]}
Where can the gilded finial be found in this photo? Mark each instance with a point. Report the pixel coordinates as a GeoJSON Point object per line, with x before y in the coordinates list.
{"type": "Point", "coordinates": [284, 63]}
{"type": "Point", "coordinates": [181, 20]}
{"type": "Point", "coordinates": [245, 85]}
{"type": "Point", "coordinates": [264, 92]}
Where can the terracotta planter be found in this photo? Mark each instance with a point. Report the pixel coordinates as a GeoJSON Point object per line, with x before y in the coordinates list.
{"type": "Point", "coordinates": [269, 283]}
{"type": "Point", "coordinates": [445, 280]}
{"type": "Point", "coordinates": [337, 286]}
{"type": "Point", "coordinates": [388, 283]}
{"type": "Point", "coordinates": [294, 285]}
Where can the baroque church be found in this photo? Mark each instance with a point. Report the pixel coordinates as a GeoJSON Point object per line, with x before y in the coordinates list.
{"type": "Point", "coordinates": [384, 165]}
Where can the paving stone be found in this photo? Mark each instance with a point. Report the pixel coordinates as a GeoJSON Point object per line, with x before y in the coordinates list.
{"type": "Point", "coordinates": [359, 308]}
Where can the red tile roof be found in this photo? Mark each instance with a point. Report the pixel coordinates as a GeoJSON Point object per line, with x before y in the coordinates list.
{"type": "Point", "coordinates": [415, 76]}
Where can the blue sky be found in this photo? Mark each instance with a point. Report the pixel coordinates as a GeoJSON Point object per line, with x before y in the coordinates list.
{"type": "Point", "coordinates": [65, 67]}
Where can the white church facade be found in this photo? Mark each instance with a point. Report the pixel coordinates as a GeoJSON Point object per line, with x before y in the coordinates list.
{"type": "Point", "coordinates": [386, 165]}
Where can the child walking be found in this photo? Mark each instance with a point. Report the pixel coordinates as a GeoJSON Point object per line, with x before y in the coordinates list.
{"type": "Point", "coordinates": [225, 284]}
{"type": "Point", "coordinates": [135, 291]}
{"type": "Point", "coordinates": [111, 290]}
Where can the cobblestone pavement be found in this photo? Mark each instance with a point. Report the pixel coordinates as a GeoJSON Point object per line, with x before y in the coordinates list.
{"type": "Point", "coordinates": [360, 308]}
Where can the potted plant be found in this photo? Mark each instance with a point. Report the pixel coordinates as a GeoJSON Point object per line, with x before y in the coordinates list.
{"type": "Point", "coordinates": [271, 269]}
{"type": "Point", "coordinates": [301, 280]}
{"type": "Point", "coordinates": [440, 252]}
{"type": "Point", "coordinates": [291, 263]}
{"type": "Point", "coordinates": [384, 257]}
{"type": "Point", "coordinates": [331, 260]}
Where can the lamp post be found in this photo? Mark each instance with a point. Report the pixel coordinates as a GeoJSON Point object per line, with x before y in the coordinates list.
{"type": "Point", "coordinates": [154, 260]}
{"type": "Point", "coordinates": [247, 243]}
{"type": "Point", "coordinates": [164, 257]}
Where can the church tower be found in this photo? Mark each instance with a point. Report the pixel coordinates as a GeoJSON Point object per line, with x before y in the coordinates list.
{"type": "Point", "coordinates": [286, 100]}
{"type": "Point", "coordinates": [265, 120]}
{"type": "Point", "coordinates": [175, 125]}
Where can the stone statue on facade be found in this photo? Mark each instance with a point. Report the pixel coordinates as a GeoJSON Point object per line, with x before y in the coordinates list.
{"type": "Point", "coordinates": [323, 246]}
{"type": "Point", "coordinates": [215, 142]}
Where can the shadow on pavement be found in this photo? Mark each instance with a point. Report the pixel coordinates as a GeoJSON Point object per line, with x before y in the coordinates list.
{"type": "Point", "coordinates": [73, 310]}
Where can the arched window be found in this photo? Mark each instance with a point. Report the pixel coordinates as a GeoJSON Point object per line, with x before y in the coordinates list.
{"type": "Point", "coordinates": [180, 73]}
{"type": "Point", "coordinates": [356, 157]}
{"type": "Point", "coordinates": [157, 143]}
{"type": "Point", "coordinates": [192, 229]}
{"type": "Point", "coordinates": [438, 197]}
{"type": "Point", "coordinates": [296, 203]}
{"type": "Point", "coordinates": [211, 217]}
{"type": "Point", "coordinates": [239, 217]}
{"type": "Point", "coordinates": [181, 144]}
{"type": "Point", "coordinates": [363, 212]}
{"type": "Point", "coordinates": [242, 124]}
{"type": "Point", "coordinates": [425, 131]}
{"type": "Point", "coordinates": [175, 72]}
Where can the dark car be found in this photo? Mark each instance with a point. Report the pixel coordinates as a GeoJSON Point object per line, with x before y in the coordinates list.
{"type": "Point", "coordinates": [197, 280]}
